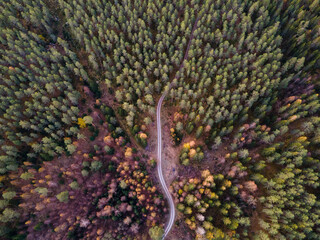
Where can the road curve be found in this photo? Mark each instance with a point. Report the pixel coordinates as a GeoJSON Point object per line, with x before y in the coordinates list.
{"type": "Point", "coordinates": [161, 178]}
{"type": "Point", "coordinates": [159, 152]}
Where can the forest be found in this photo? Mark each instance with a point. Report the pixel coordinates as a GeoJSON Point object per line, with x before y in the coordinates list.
{"type": "Point", "coordinates": [80, 84]}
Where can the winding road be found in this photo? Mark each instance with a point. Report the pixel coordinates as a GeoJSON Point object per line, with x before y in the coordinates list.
{"type": "Point", "coordinates": [159, 131]}
{"type": "Point", "coordinates": [161, 178]}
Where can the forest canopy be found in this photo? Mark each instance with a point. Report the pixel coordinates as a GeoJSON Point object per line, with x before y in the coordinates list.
{"type": "Point", "coordinates": [80, 83]}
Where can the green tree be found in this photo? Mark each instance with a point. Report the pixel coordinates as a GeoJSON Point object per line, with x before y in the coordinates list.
{"type": "Point", "coordinates": [8, 195]}
{"type": "Point", "coordinates": [96, 165]}
{"type": "Point", "coordinates": [199, 132]}
{"type": "Point", "coordinates": [156, 233]}
{"type": "Point", "coordinates": [63, 196]}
